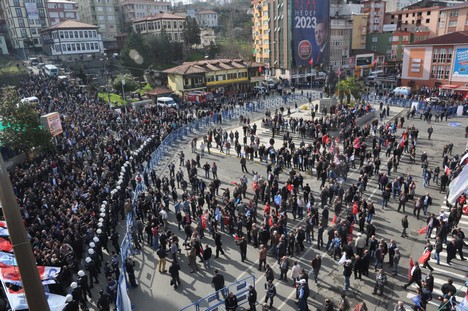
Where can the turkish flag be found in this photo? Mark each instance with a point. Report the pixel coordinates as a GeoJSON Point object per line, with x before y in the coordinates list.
{"type": "Point", "coordinates": [260, 69]}
{"type": "Point", "coordinates": [411, 265]}
{"type": "Point", "coordinates": [311, 61]}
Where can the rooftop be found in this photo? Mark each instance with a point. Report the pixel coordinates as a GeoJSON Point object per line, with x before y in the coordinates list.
{"type": "Point", "coordinates": [61, 1]}
{"type": "Point", "coordinates": [449, 39]}
{"type": "Point", "coordinates": [160, 16]}
{"type": "Point", "coordinates": [456, 6]}
{"type": "Point", "coordinates": [70, 24]}
{"type": "Point", "coordinates": [207, 12]}
{"type": "Point", "coordinates": [204, 66]}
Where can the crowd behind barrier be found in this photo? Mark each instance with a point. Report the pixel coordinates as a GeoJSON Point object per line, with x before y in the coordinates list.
{"type": "Point", "coordinates": [422, 105]}
{"type": "Point", "coordinates": [155, 159]}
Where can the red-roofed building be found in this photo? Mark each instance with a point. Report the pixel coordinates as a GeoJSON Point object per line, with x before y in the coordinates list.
{"type": "Point", "coordinates": [172, 24]}
{"type": "Point", "coordinates": [437, 62]}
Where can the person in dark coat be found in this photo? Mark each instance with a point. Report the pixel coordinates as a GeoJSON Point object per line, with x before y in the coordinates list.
{"type": "Point", "coordinates": [218, 243]}
{"type": "Point", "coordinates": [358, 267]}
{"type": "Point", "coordinates": [451, 251]}
{"type": "Point", "coordinates": [415, 276]}
{"type": "Point", "coordinates": [174, 272]}
{"type": "Point", "coordinates": [231, 302]}
{"type": "Point", "coordinates": [218, 283]}
{"type": "Point", "coordinates": [252, 298]}
{"type": "Point", "coordinates": [243, 248]}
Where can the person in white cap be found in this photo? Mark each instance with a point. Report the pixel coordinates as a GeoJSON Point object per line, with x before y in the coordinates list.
{"type": "Point", "coordinates": [77, 293]}
{"type": "Point", "coordinates": [93, 272]}
{"type": "Point", "coordinates": [83, 282]}
{"type": "Point", "coordinates": [71, 305]}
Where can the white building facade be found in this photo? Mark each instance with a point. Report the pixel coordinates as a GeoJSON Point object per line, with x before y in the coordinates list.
{"type": "Point", "coordinates": [71, 40]}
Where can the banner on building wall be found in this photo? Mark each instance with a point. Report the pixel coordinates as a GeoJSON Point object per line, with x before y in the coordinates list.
{"type": "Point", "coordinates": [311, 33]}
{"type": "Point", "coordinates": [460, 67]}
{"type": "Point", "coordinates": [32, 11]}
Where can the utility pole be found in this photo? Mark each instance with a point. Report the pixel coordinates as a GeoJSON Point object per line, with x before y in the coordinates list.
{"type": "Point", "coordinates": [32, 285]}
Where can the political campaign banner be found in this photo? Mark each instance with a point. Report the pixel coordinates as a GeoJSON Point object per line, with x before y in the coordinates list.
{"type": "Point", "coordinates": [5, 245]}
{"type": "Point", "coordinates": [310, 32]}
{"type": "Point", "coordinates": [7, 259]}
{"type": "Point", "coordinates": [12, 274]}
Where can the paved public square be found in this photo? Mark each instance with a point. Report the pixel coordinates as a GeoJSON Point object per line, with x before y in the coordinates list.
{"type": "Point", "coordinates": [155, 292]}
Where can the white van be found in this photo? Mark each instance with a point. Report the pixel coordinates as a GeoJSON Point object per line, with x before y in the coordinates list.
{"type": "Point", "coordinates": [32, 99]}
{"type": "Point", "coordinates": [51, 71]}
{"type": "Point", "coordinates": [167, 102]}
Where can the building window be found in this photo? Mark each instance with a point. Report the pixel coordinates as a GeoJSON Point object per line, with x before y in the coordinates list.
{"type": "Point", "coordinates": [87, 46]}
{"type": "Point", "coordinates": [24, 34]}
{"type": "Point", "coordinates": [449, 55]}
{"type": "Point", "coordinates": [16, 3]}
{"type": "Point", "coordinates": [428, 13]}
{"type": "Point", "coordinates": [453, 13]}
{"type": "Point", "coordinates": [433, 71]}
{"type": "Point", "coordinates": [435, 55]}
{"type": "Point", "coordinates": [375, 39]}
{"type": "Point", "coordinates": [20, 22]}
{"type": "Point", "coordinates": [19, 12]}
{"type": "Point", "coordinates": [428, 20]}
{"type": "Point", "coordinates": [452, 24]}
{"type": "Point", "coordinates": [442, 55]}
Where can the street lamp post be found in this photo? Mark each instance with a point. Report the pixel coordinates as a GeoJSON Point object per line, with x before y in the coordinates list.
{"type": "Point", "coordinates": [123, 88]}
{"type": "Point", "coordinates": [32, 285]}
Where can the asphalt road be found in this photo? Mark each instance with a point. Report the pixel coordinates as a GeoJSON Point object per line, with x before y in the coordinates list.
{"type": "Point", "coordinates": [154, 291]}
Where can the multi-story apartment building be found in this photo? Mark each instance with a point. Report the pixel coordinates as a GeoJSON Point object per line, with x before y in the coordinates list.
{"type": "Point", "coordinates": [279, 39]}
{"type": "Point", "coordinates": [172, 24]}
{"type": "Point", "coordinates": [359, 31]}
{"type": "Point", "coordinates": [340, 41]}
{"type": "Point", "coordinates": [453, 18]}
{"type": "Point", "coordinates": [62, 10]}
{"type": "Point", "coordinates": [376, 13]}
{"type": "Point", "coordinates": [414, 20]}
{"type": "Point", "coordinates": [24, 20]}
{"type": "Point", "coordinates": [260, 32]}
{"type": "Point", "coordinates": [71, 40]}
{"type": "Point", "coordinates": [106, 15]}
{"type": "Point", "coordinates": [207, 18]}
{"type": "Point", "coordinates": [132, 10]}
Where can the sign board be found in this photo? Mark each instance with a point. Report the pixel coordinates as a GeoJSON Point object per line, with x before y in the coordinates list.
{"type": "Point", "coordinates": [32, 11]}
{"type": "Point", "coordinates": [52, 122]}
{"type": "Point", "coordinates": [389, 27]}
{"type": "Point", "coordinates": [310, 33]}
{"type": "Point", "coordinates": [460, 66]}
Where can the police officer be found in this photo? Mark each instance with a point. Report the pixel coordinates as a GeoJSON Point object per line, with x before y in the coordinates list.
{"type": "Point", "coordinates": [93, 272]}
{"type": "Point", "coordinates": [83, 282]}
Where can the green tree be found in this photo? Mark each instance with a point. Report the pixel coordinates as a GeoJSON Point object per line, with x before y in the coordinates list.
{"type": "Point", "coordinates": [191, 32]}
{"type": "Point", "coordinates": [23, 130]}
{"type": "Point", "coordinates": [349, 87]}
{"type": "Point", "coordinates": [130, 84]}
{"type": "Point", "coordinates": [212, 50]}
{"type": "Point", "coordinates": [134, 54]}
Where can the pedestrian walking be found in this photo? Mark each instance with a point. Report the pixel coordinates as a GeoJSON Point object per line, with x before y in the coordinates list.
{"type": "Point", "coordinates": [270, 292]}
{"type": "Point", "coordinates": [207, 253]}
{"type": "Point", "coordinates": [415, 276]}
{"type": "Point", "coordinates": [316, 266]}
{"type": "Point", "coordinates": [243, 162]}
{"type": "Point", "coordinates": [218, 283]}
{"type": "Point", "coordinates": [284, 268]}
{"type": "Point", "coordinates": [380, 282]}
{"type": "Point", "coordinates": [242, 243]}
{"type": "Point", "coordinates": [344, 303]}
{"type": "Point", "coordinates": [252, 298]}
{"type": "Point", "coordinates": [219, 245]}
{"type": "Point", "coordinates": [174, 272]}
{"type": "Point", "coordinates": [405, 225]}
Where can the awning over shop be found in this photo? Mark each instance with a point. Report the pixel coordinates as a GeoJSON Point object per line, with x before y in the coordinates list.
{"type": "Point", "coordinates": [449, 86]}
